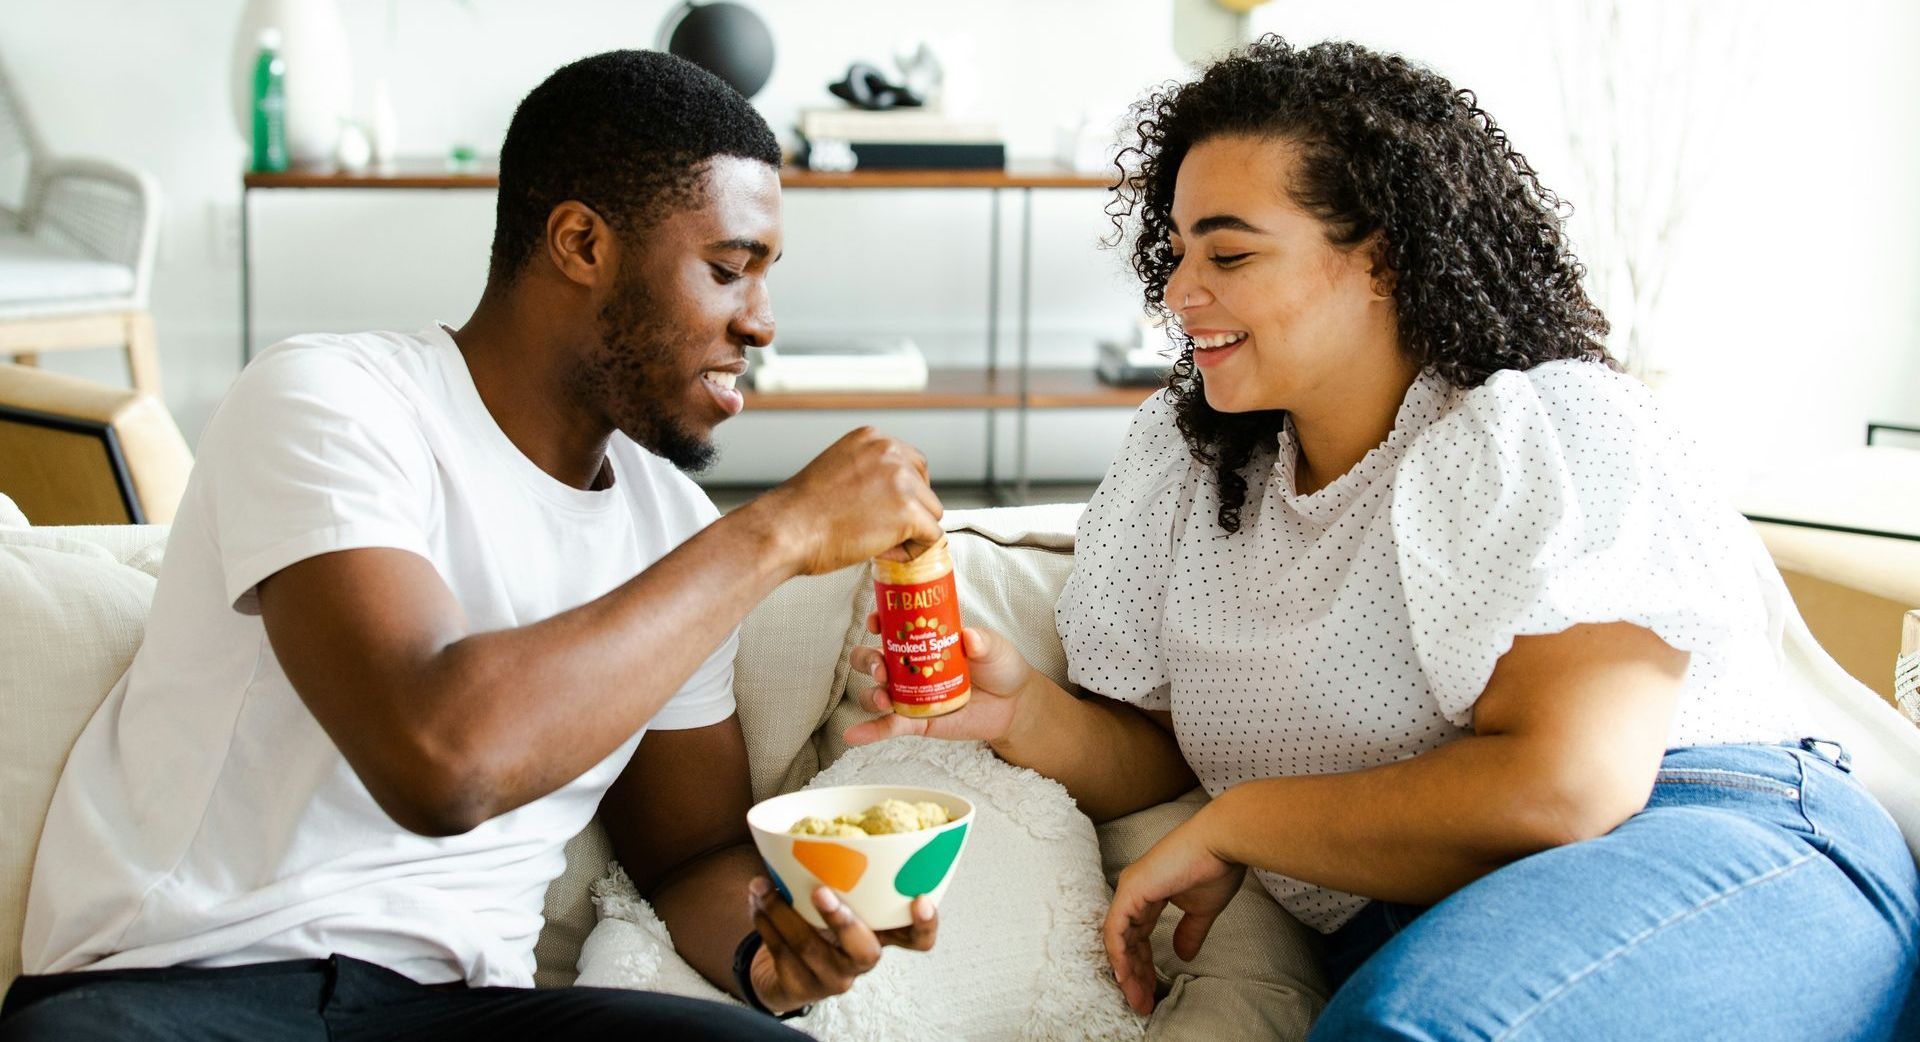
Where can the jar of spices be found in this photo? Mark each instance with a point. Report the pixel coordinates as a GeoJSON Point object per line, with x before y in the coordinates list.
{"type": "Point", "coordinates": [920, 631]}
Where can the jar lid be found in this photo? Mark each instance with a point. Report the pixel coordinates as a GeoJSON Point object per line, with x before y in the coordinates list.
{"type": "Point", "coordinates": [915, 550]}
{"type": "Point", "coordinates": [928, 561]}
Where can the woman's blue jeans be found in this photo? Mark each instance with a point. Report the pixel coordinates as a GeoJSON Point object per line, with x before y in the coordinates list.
{"type": "Point", "coordinates": [1761, 895]}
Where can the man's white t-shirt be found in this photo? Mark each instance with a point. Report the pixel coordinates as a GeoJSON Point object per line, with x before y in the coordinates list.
{"type": "Point", "coordinates": [204, 817]}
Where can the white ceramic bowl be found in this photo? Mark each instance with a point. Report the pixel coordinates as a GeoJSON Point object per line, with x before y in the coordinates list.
{"type": "Point", "coordinates": [878, 876]}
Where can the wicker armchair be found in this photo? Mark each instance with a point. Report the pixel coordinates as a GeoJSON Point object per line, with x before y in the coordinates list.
{"type": "Point", "coordinates": [77, 239]}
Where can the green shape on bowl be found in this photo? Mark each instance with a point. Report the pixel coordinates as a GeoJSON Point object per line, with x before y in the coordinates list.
{"type": "Point", "coordinates": [928, 865]}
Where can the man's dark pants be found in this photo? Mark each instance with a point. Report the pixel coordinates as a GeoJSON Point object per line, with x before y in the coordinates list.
{"type": "Point", "coordinates": [346, 1000]}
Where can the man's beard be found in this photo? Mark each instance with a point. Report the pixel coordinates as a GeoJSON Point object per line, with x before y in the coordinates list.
{"type": "Point", "coordinates": [631, 376]}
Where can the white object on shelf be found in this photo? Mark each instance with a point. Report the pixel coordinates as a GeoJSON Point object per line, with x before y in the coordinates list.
{"type": "Point", "coordinates": [319, 72]}
{"type": "Point", "coordinates": [831, 156]}
{"type": "Point", "coordinates": [1142, 359]}
{"type": "Point", "coordinates": [353, 152]}
{"type": "Point", "coordinates": [858, 365]}
{"type": "Point", "coordinates": [1086, 147]}
{"type": "Point", "coordinates": [383, 129]}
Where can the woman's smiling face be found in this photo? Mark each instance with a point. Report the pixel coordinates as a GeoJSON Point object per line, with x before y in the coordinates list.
{"type": "Point", "coordinates": [1275, 311]}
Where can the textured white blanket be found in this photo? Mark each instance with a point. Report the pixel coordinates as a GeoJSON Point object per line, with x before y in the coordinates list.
{"type": "Point", "coordinates": [1019, 954]}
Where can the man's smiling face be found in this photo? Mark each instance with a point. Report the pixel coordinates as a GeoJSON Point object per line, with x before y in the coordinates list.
{"type": "Point", "coordinates": [691, 298]}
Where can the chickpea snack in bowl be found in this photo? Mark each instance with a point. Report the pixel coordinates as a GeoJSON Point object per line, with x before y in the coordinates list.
{"type": "Point", "coordinates": [878, 846]}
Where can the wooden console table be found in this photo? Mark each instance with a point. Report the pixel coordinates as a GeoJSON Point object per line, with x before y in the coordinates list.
{"type": "Point", "coordinates": [989, 388]}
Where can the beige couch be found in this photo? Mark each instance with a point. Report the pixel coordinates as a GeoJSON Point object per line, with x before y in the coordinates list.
{"type": "Point", "coordinates": [1854, 591]}
{"type": "Point", "coordinates": [73, 604]}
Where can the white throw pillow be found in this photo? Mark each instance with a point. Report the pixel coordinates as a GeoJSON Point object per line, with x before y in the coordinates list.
{"type": "Point", "coordinates": [71, 617]}
{"type": "Point", "coordinates": [1019, 954]}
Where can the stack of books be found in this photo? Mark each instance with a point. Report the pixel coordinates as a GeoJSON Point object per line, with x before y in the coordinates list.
{"type": "Point", "coordinates": [841, 139]}
{"type": "Point", "coordinates": [840, 365]}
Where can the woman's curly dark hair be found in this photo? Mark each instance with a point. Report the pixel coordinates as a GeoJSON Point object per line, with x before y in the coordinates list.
{"type": "Point", "coordinates": [1484, 280]}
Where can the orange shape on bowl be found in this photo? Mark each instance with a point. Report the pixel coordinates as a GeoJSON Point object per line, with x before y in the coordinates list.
{"type": "Point", "coordinates": [831, 863]}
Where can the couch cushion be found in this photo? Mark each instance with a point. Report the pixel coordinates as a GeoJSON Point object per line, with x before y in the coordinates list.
{"type": "Point", "coordinates": [791, 670]}
{"type": "Point", "coordinates": [33, 269]}
{"type": "Point", "coordinates": [1259, 976]}
{"type": "Point", "coordinates": [140, 547]}
{"type": "Point", "coordinates": [71, 616]}
{"type": "Point", "coordinates": [569, 910]}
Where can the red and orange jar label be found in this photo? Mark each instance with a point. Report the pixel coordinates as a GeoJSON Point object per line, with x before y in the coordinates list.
{"type": "Point", "coordinates": [920, 633]}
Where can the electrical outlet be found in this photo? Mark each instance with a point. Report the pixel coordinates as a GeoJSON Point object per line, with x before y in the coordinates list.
{"type": "Point", "coordinates": [223, 231]}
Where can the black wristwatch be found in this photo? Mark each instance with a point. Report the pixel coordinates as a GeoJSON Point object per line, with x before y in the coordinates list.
{"type": "Point", "coordinates": [743, 955]}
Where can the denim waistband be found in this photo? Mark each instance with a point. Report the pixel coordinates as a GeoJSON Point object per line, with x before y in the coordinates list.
{"type": "Point", "coordinates": [1827, 749]}
{"type": "Point", "coordinates": [1781, 761]}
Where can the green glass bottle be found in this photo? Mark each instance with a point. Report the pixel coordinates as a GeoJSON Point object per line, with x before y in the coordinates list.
{"type": "Point", "coordinates": [269, 106]}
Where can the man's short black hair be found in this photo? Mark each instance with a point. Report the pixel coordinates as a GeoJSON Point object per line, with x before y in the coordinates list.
{"type": "Point", "coordinates": [626, 133]}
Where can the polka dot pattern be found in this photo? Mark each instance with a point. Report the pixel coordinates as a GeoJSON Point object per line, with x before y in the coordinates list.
{"type": "Point", "coordinates": [1355, 626]}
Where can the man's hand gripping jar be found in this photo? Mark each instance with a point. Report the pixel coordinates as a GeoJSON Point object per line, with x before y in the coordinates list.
{"type": "Point", "coordinates": [920, 632]}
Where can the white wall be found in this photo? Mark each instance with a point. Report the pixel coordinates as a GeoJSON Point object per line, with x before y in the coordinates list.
{"type": "Point", "coordinates": [1793, 306]}
{"type": "Point", "coordinates": [147, 83]}
{"type": "Point", "coordinates": [1792, 298]}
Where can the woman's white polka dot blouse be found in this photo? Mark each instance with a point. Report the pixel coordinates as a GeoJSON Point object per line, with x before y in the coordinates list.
{"type": "Point", "coordinates": [1357, 625]}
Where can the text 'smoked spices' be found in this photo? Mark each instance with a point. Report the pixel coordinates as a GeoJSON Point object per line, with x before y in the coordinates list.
{"type": "Point", "coordinates": [920, 633]}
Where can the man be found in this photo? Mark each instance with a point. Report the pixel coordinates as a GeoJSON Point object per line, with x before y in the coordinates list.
{"type": "Point", "coordinates": [429, 602]}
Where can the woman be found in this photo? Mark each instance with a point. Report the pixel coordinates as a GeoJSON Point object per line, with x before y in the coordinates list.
{"type": "Point", "coordinates": [1484, 682]}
